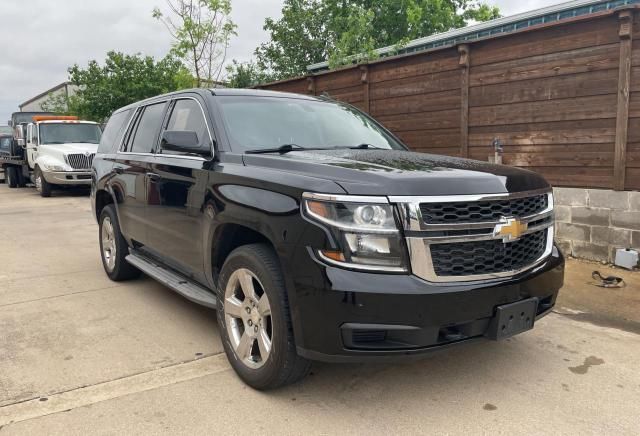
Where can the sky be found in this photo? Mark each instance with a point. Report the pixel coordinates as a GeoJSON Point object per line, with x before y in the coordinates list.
{"type": "Point", "coordinates": [40, 39]}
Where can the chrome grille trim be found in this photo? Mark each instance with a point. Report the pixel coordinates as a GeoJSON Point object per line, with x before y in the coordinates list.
{"type": "Point", "coordinates": [422, 264]}
{"type": "Point", "coordinates": [79, 161]}
{"type": "Point", "coordinates": [412, 215]}
{"type": "Point", "coordinates": [421, 236]}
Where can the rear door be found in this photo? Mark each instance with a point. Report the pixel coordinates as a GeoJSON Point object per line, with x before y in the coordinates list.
{"type": "Point", "coordinates": [131, 168]}
{"type": "Point", "coordinates": [177, 190]}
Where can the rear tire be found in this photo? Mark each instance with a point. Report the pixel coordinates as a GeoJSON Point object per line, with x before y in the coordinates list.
{"type": "Point", "coordinates": [42, 186]}
{"type": "Point", "coordinates": [114, 248]}
{"type": "Point", "coordinates": [252, 327]}
{"type": "Point", "coordinates": [11, 177]}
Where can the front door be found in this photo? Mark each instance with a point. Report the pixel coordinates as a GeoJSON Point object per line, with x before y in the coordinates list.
{"type": "Point", "coordinates": [32, 144]}
{"type": "Point", "coordinates": [131, 169]}
{"type": "Point", "coordinates": [177, 192]}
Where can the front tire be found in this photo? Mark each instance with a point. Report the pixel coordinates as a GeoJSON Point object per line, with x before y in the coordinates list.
{"type": "Point", "coordinates": [114, 248]}
{"type": "Point", "coordinates": [254, 320]}
{"type": "Point", "coordinates": [42, 186]}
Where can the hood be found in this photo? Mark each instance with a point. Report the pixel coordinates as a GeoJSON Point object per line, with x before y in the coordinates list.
{"type": "Point", "coordinates": [64, 149]}
{"type": "Point", "coordinates": [397, 172]}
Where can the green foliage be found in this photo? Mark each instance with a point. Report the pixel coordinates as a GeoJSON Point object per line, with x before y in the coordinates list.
{"type": "Point", "coordinates": [201, 30]}
{"type": "Point", "coordinates": [122, 80]}
{"type": "Point", "coordinates": [344, 31]}
{"type": "Point", "coordinates": [60, 104]}
{"type": "Point", "coordinates": [300, 38]}
{"type": "Point", "coordinates": [357, 42]}
{"type": "Point", "coordinates": [244, 75]}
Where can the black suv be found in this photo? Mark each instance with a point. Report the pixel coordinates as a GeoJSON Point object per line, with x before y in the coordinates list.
{"type": "Point", "coordinates": [315, 233]}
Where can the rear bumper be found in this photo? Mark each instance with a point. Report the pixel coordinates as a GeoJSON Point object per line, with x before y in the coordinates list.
{"type": "Point", "coordinates": [356, 317]}
{"type": "Point", "coordinates": [68, 177]}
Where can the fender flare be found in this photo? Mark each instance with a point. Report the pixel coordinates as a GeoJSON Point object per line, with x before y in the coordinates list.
{"type": "Point", "coordinates": [214, 228]}
{"type": "Point", "coordinates": [114, 200]}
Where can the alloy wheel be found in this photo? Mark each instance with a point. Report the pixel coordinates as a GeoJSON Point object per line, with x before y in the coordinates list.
{"type": "Point", "coordinates": [247, 315]}
{"type": "Point", "coordinates": [108, 243]}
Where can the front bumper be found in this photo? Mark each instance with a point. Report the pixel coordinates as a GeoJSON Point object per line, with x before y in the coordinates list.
{"type": "Point", "coordinates": [350, 316]}
{"type": "Point", "coordinates": [68, 177]}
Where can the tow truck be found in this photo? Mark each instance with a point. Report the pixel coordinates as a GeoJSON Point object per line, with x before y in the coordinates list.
{"type": "Point", "coordinates": [51, 151]}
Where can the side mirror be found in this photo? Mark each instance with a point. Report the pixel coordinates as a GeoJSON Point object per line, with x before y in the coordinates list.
{"type": "Point", "coordinates": [10, 123]}
{"type": "Point", "coordinates": [184, 141]}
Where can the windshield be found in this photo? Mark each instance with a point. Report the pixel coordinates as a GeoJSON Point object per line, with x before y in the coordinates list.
{"type": "Point", "coordinates": [255, 123]}
{"type": "Point", "coordinates": [64, 133]}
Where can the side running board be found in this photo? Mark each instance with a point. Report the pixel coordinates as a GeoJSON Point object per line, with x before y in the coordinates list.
{"type": "Point", "coordinates": [183, 286]}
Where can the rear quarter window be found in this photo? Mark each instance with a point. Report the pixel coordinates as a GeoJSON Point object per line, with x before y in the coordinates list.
{"type": "Point", "coordinates": [113, 132]}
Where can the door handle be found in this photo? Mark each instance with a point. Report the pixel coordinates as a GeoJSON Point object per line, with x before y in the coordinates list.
{"type": "Point", "coordinates": [153, 177]}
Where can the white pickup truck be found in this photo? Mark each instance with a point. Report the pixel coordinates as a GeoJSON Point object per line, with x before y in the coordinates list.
{"type": "Point", "coordinates": [58, 151]}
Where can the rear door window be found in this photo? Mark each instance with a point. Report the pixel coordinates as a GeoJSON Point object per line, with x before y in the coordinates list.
{"type": "Point", "coordinates": [112, 134]}
{"type": "Point", "coordinates": [145, 134]}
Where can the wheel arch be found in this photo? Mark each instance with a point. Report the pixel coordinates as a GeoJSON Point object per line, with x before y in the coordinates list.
{"type": "Point", "coordinates": [226, 238]}
{"type": "Point", "coordinates": [103, 198]}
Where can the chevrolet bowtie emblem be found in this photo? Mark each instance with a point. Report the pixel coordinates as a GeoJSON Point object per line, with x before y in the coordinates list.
{"type": "Point", "coordinates": [510, 229]}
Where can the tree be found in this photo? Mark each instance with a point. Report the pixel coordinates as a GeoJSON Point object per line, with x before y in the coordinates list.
{"type": "Point", "coordinates": [122, 80]}
{"type": "Point", "coordinates": [244, 75]}
{"type": "Point", "coordinates": [60, 104]}
{"type": "Point", "coordinates": [298, 39]}
{"type": "Point", "coordinates": [344, 31]}
{"type": "Point", "coordinates": [201, 30]}
{"type": "Point", "coordinates": [356, 42]}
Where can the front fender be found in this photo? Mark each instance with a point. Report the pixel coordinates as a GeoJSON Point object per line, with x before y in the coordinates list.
{"type": "Point", "coordinates": [44, 162]}
{"type": "Point", "coordinates": [265, 212]}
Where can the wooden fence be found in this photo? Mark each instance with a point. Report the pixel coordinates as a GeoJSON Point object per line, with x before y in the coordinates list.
{"type": "Point", "coordinates": [563, 98]}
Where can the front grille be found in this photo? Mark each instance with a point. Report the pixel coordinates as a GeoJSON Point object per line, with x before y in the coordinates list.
{"type": "Point", "coordinates": [481, 211]}
{"type": "Point", "coordinates": [488, 256]}
{"type": "Point", "coordinates": [368, 336]}
{"type": "Point", "coordinates": [80, 161]}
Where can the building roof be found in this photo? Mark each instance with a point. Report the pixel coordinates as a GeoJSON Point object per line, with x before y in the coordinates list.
{"type": "Point", "coordinates": [498, 26]}
{"type": "Point", "coordinates": [44, 94]}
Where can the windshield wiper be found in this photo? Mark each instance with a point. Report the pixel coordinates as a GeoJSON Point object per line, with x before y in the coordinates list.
{"type": "Point", "coordinates": [366, 147]}
{"type": "Point", "coordinates": [284, 148]}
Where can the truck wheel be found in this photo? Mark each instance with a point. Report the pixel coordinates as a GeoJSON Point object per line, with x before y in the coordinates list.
{"type": "Point", "coordinates": [11, 177]}
{"type": "Point", "coordinates": [254, 319]}
{"type": "Point", "coordinates": [42, 186]}
{"type": "Point", "coordinates": [114, 248]}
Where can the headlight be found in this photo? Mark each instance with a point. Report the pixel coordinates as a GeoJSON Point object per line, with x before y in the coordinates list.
{"type": "Point", "coordinates": [53, 167]}
{"type": "Point", "coordinates": [365, 229]}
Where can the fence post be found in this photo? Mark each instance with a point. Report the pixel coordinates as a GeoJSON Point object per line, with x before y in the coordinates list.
{"type": "Point", "coordinates": [311, 85]}
{"type": "Point", "coordinates": [464, 100]}
{"type": "Point", "coordinates": [364, 69]}
{"type": "Point", "coordinates": [624, 84]}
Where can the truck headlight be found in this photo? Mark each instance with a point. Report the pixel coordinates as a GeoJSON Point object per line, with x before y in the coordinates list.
{"type": "Point", "coordinates": [50, 167]}
{"type": "Point", "coordinates": [365, 229]}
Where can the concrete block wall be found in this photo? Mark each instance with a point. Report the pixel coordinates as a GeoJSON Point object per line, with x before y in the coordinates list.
{"type": "Point", "coordinates": [593, 223]}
